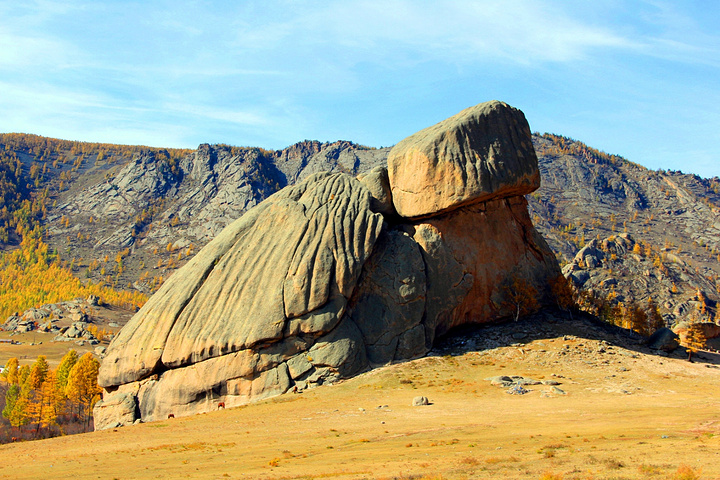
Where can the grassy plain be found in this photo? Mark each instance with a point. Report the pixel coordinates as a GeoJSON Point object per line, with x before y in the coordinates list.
{"type": "Point", "coordinates": [625, 414]}
{"type": "Point", "coordinates": [30, 345]}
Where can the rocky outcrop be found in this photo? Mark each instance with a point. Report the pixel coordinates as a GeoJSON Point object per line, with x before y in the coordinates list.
{"type": "Point", "coordinates": [68, 320]}
{"type": "Point", "coordinates": [484, 152]}
{"type": "Point", "coordinates": [588, 194]}
{"type": "Point", "coordinates": [621, 270]}
{"type": "Point", "coordinates": [327, 278]}
{"type": "Point", "coordinates": [151, 198]}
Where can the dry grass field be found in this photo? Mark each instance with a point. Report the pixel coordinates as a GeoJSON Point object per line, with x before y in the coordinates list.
{"type": "Point", "coordinates": [32, 344]}
{"type": "Point", "coordinates": [625, 414]}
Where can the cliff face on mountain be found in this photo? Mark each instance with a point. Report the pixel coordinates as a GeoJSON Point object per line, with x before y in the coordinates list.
{"type": "Point", "coordinates": [148, 204]}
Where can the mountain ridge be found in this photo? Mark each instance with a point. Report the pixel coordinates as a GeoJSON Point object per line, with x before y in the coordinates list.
{"type": "Point", "coordinates": [129, 216]}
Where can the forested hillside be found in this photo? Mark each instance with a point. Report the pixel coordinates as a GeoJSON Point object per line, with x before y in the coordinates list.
{"type": "Point", "coordinates": [627, 236]}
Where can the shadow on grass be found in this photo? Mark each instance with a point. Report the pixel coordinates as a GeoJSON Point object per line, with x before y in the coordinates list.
{"type": "Point", "coordinates": [549, 324]}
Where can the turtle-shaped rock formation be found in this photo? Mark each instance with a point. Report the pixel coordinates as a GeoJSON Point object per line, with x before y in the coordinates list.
{"type": "Point", "coordinates": [336, 274]}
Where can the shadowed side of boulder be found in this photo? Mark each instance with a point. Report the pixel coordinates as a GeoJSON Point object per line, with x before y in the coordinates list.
{"type": "Point", "coordinates": [390, 300]}
{"type": "Point", "coordinates": [473, 255]}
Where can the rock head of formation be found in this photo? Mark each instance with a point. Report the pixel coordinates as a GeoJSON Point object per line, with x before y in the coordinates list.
{"type": "Point", "coordinates": [337, 274]}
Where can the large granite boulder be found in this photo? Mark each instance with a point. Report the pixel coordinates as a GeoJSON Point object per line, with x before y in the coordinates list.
{"type": "Point", "coordinates": [482, 153]}
{"type": "Point", "coordinates": [330, 277]}
{"type": "Point", "coordinates": [262, 291]}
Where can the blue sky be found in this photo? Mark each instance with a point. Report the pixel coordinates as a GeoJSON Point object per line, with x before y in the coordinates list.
{"type": "Point", "coordinates": [635, 78]}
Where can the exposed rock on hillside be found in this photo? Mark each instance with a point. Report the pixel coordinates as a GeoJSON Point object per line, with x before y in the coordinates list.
{"type": "Point", "coordinates": [68, 320]}
{"type": "Point", "coordinates": [152, 199]}
{"type": "Point", "coordinates": [313, 285]}
{"type": "Point", "coordinates": [622, 271]}
{"type": "Point", "coordinates": [591, 199]}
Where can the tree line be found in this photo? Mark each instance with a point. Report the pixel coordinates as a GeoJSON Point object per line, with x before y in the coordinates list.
{"type": "Point", "coordinates": [41, 402]}
{"type": "Point", "coordinates": [33, 275]}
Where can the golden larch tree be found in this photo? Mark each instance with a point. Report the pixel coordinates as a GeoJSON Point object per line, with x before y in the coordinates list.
{"type": "Point", "coordinates": [694, 339]}
{"type": "Point", "coordinates": [82, 387]}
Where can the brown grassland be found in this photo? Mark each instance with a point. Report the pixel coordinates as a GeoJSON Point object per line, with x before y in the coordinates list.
{"type": "Point", "coordinates": [32, 344]}
{"type": "Point", "coordinates": [627, 414]}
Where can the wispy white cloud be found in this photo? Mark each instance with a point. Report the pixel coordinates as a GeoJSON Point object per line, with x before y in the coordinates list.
{"type": "Point", "coordinates": [451, 31]}
{"type": "Point", "coordinates": [270, 72]}
{"type": "Point", "coordinates": [222, 114]}
{"type": "Point", "coordinates": [19, 51]}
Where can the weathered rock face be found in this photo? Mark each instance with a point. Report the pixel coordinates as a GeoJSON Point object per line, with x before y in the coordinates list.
{"type": "Point", "coordinates": [472, 256]}
{"type": "Point", "coordinates": [324, 279]}
{"type": "Point", "coordinates": [253, 298]}
{"type": "Point", "coordinates": [482, 153]}
{"type": "Point", "coordinates": [389, 304]}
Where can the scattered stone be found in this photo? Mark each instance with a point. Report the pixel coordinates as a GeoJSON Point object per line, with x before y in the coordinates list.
{"type": "Point", "coordinates": [419, 401]}
{"type": "Point", "coordinates": [517, 390]}
{"type": "Point", "coordinates": [558, 391]}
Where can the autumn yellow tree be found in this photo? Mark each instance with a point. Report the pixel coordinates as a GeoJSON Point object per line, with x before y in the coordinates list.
{"type": "Point", "coordinates": [521, 297]}
{"type": "Point", "coordinates": [35, 392]}
{"type": "Point", "coordinates": [82, 387]}
{"type": "Point", "coordinates": [635, 319]}
{"type": "Point", "coordinates": [61, 379]}
{"type": "Point", "coordinates": [17, 399]}
{"type": "Point", "coordinates": [654, 318]}
{"type": "Point", "coordinates": [15, 406]}
{"type": "Point", "coordinates": [10, 374]}
{"type": "Point", "coordinates": [694, 339]}
{"type": "Point", "coordinates": [23, 374]}
{"type": "Point", "coordinates": [564, 293]}
{"type": "Point", "coordinates": [48, 405]}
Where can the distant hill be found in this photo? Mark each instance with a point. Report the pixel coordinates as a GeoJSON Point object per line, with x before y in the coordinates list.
{"type": "Point", "coordinates": [128, 216]}
{"type": "Point", "coordinates": [672, 221]}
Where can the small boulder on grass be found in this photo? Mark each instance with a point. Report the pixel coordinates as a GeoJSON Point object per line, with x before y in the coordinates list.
{"type": "Point", "coordinates": [558, 391]}
{"type": "Point", "coordinates": [419, 401]}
